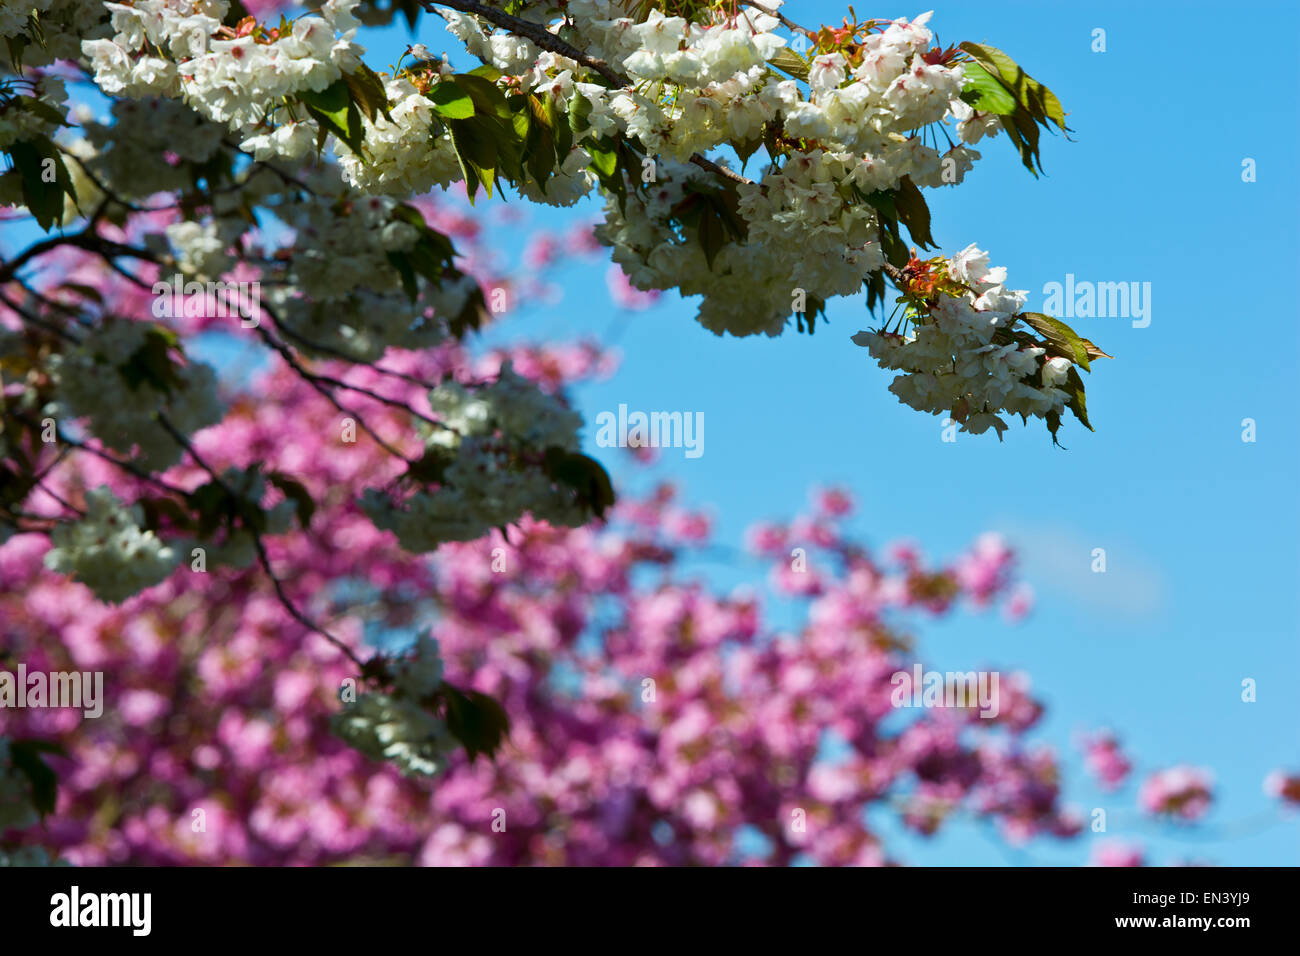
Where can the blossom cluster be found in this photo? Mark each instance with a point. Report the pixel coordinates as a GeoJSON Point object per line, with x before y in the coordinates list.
{"type": "Point", "coordinates": [19, 123]}
{"type": "Point", "coordinates": [714, 86]}
{"type": "Point", "coordinates": [400, 726]}
{"type": "Point", "coordinates": [330, 280]}
{"type": "Point", "coordinates": [954, 360]}
{"type": "Point", "coordinates": [130, 153]}
{"type": "Point", "coordinates": [120, 378]}
{"type": "Point", "coordinates": [491, 443]}
{"type": "Point", "coordinates": [693, 85]}
{"type": "Point", "coordinates": [1283, 786]}
{"type": "Point", "coordinates": [338, 292]}
{"type": "Point", "coordinates": [179, 48]}
{"type": "Point", "coordinates": [807, 232]}
{"type": "Point", "coordinates": [108, 550]}
{"type": "Point", "coordinates": [49, 30]}
{"type": "Point", "coordinates": [232, 713]}
{"type": "Point", "coordinates": [1117, 853]}
{"type": "Point", "coordinates": [1181, 792]}
{"type": "Point", "coordinates": [802, 242]}
{"type": "Point", "coordinates": [1106, 761]}
{"type": "Point", "coordinates": [403, 156]}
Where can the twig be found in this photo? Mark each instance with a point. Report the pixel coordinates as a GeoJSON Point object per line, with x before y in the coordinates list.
{"type": "Point", "coordinates": [536, 32]}
{"type": "Point", "coordinates": [86, 239]}
{"type": "Point", "coordinates": [318, 382]}
{"type": "Point", "coordinates": [71, 507]}
{"type": "Point", "coordinates": [785, 21]}
{"type": "Point", "coordinates": [262, 556]}
{"type": "Point", "coordinates": [33, 319]}
{"type": "Point", "coordinates": [343, 356]}
{"type": "Point", "coordinates": [287, 354]}
{"type": "Point", "coordinates": [129, 467]}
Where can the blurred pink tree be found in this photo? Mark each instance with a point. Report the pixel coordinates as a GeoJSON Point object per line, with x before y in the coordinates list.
{"type": "Point", "coordinates": [232, 562]}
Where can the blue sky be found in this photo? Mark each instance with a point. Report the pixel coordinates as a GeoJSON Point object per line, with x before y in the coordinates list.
{"type": "Point", "coordinates": [1200, 528]}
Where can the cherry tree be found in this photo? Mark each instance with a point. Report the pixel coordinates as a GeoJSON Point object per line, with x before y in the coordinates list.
{"type": "Point", "coordinates": [650, 719]}
{"type": "Point", "coordinates": [231, 553]}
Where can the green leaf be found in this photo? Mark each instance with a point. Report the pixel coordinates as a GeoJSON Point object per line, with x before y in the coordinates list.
{"type": "Point", "coordinates": [235, 13]}
{"type": "Point", "coordinates": [487, 96]}
{"type": "Point", "coordinates": [536, 129]}
{"type": "Point", "coordinates": [477, 160]}
{"type": "Point", "coordinates": [155, 509]}
{"type": "Point", "coordinates": [714, 215]}
{"type": "Point", "coordinates": [875, 284]}
{"type": "Point", "coordinates": [881, 200]}
{"type": "Point", "coordinates": [25, 755]}
{"type": "Point", "coordinates": [85, 291]}
{"type": "Point", "coordinates": [476, 720]}
{"type": "Point", "coordinates": [559, 127]}
{"type": "Point", "coordinates": [509, 148]}
{"type": "Point", "coordinates": [603, 161]}
{"type": "Point", "coordinates": [36, 28]}
{"type": "Point", "coordinates": [34, 159]}
{"type": "Point", "coordinates": [726, 201]}
{"type": "Point", "coordinates": [816, 307]}
{"type": "Point", "coordinates": [451, 101]}
{"type": "Point", "coordinates": [522, 121]}
{"type": "Point", "coordinates": [16, 45]}
{"type": "Point", "coordinates": [747, 149]}
{"type": "Point", "coordinates": [426, 261]}
{"type": "Point", "coordinates": [1035, 105]}
{"type": "Point", "coordinates": [487, 71]}
{"type": "Point", "coordinates": [606, 158]}
{"type": "Point", "coordinates": [41, 109]}
{"type": "Point", "coordinates": [985, 92]}
{"type": "Point", "coordinates": [712, 233]}
{"type": "Point", "coordinates": [431, 467]}
{"type": "Point", "coordinates": [1037, 99]}
{"type": "Point", "coordinates": [1078, 400]}
{"type": "Point", "coordinates": [411, 10]}
{"type": "Point", "coordinates": [579, 111]}
{"type": "Point", "coordinates": [212, 505]}
{"type": "Point", "coordinates": [913, 212]}
{"type": "Point", "coordinates": [336, 112]}
{"type": "Point", "coordinates": [1054, 425]}
{"type": "Point", "coordinates": [402, 263]}
{"type": "Point", "coordinates": [367, 89]}
{"type": "Point", "coordinates": [472, 317]}
{"type": "Point", "coordinates": [891, 242]}
{"type": "Point", "coordinates": [151, 363]}
{"type": "Point", "coordinates": [1063, 340]}
{"type": "Point", "coordinates": [1026, 143]}
{"type": "Point", "coordinates": [790, 62]}
{"type": "Point", "coordinates": [296, 492]}
{"type": "Point", "coordinates": [585, 475]}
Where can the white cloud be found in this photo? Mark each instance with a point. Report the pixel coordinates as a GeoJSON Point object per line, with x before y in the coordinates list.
{"type": "Point", "coordinates": [1057, 559]}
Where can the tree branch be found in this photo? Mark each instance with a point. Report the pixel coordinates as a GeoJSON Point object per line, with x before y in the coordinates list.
{"type": "Point", "coordinates": [529, 30]}
{"type": "Point", "coordinates": [543, 38]}
{"type": "Point", "coordinates": [785, 21]}
{"type": "Point", "coordinates": [262, 556]}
